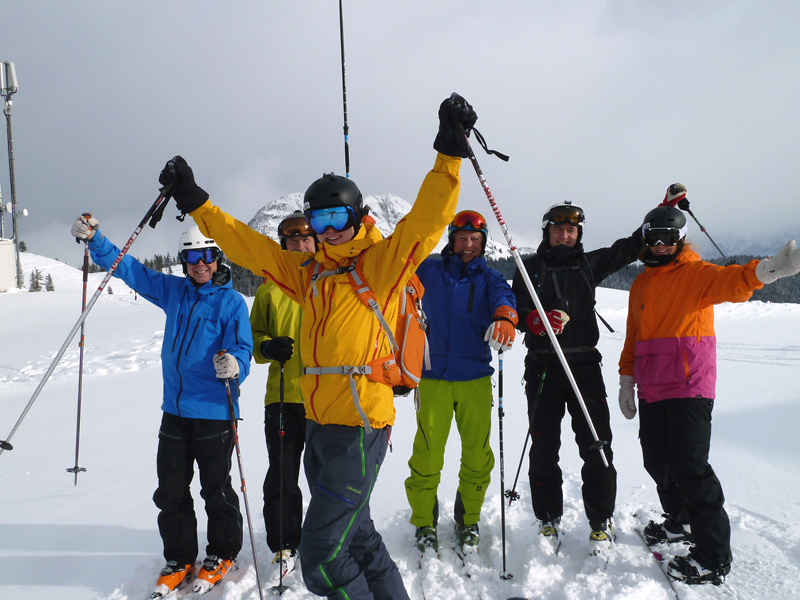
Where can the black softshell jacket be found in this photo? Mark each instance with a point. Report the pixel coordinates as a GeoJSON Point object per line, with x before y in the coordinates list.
{"type": "Point", "coordinates": [565, 278]}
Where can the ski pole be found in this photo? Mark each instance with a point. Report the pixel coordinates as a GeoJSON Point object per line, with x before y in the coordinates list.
{"type": "Point", "coordinates": [241, 476]}
{"type": "Point", "coordinates": [684, 205]}
{"type": "Point", "coordinates": [344, 97]}
{"type": "Point", "coordinates": [513, 494]}
{"type": "Point", "coordinates": [154, 211]}
{"type": "Point", "coordinates": [598, 443]}
{"type": "Point", "coordinates": [76, 469]}
{"type": "Point", "coordinates": [280, 588]}
{"type": "Point", "coordinates": [503, 574]}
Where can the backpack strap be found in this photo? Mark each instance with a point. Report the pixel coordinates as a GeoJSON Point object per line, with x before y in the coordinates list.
{"type": "Point", "coordinates": [367, 296]}
{"type": "Point", "coordinates": [349, 371]}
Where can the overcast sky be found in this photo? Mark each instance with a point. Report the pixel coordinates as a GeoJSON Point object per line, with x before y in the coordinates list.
{"type": "Point", "coordinates": [604, 103]}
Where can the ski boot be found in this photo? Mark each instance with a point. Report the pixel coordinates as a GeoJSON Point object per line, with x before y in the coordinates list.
{"type": "Point", "coordinates": [171, 578]}
{"type": "Point", "coordinates": [212, 573]}
{"type": "Point", "coordinates": [690, 570]}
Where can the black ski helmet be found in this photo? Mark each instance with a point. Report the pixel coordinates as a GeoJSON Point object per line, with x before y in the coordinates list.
{"type": "Point", "coordinates": [335, 190]}
{"type": "Point", "coordinates": [666, 218]}
{"type": "Point", "coordinates": [295, 225]}
{"type": "Point", "coordinates": [560, 214]}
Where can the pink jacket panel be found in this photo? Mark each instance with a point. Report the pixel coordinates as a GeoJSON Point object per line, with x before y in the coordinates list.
{"type": "Point", "coordinates": [683, 367]}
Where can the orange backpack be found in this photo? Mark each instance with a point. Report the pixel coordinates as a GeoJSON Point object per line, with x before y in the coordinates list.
{"type": "Point", "coordinates": [408, 338]}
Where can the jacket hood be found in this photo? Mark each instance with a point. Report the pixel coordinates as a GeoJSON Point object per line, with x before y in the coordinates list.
{"type": "Point", "coordinates": [368, 235]}
{"type": "Point", "coordinates": [222, 278]}
{"type": "Point", "coordinates": [687, 255]}
{"type": "Point", "coordinates": [454, 264]}
{"type": "Point", "coordinates": [559, 252]}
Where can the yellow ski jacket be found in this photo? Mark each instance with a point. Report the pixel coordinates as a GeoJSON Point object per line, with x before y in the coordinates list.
{"type": "Point", "coordinates": [273, 315]}
{"type": "Point", "coordinates": [338, 329]}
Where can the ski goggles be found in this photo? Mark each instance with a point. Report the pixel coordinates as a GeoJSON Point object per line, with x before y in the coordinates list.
{"type": "Point", "coordinates": [466, 220]}
{"type": "Point", "coordinates": [563, 215]}
{"type": "Point", "coordinates": [207, 255]}
{"type": "Point", "coordinates": [338, 217]}
{"type": "Point", "coordinates": [665, 237]}
{"type": "Point", "coordinates": [297, 227]}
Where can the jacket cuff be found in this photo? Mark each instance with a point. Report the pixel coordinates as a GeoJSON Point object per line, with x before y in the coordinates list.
{"type": "Point", "coordinates": [506, 313]}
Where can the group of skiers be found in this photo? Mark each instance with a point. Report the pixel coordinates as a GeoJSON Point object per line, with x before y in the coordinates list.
{"type": "Point", "coordinates": [329, 392]}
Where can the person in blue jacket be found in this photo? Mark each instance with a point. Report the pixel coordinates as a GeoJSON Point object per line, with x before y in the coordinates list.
{"type": "Point", "coordinates": [204, 317]}
{"type": "Point", "coordinates": [470, 308]}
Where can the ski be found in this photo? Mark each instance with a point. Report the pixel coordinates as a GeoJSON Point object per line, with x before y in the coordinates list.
{"type": "Point", "coordinates": [658, 557]}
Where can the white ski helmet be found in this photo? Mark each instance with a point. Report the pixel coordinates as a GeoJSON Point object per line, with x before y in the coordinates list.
{"type": "Point", "coordinates": [193, 239]}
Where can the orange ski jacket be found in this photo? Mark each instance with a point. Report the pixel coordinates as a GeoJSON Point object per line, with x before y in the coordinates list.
{"type": "Point", "coordinates": [670, 345]}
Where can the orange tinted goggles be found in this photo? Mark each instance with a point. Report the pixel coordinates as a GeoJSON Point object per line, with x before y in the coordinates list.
{"type": "Point", "coordinates": [469, 219]}
{"type": "Point", "coordinates": [294, 228]}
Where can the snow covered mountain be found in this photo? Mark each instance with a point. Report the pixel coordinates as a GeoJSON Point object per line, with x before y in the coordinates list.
{"type": "Point", "coordinates": [99, 540]}
{"type": "Point", "coordinates": [386, 209]}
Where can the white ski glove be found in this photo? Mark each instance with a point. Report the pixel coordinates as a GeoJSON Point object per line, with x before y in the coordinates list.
{"type": "Point", "coordinates": [84, 227]}
{"type": "Point", "coordinates": [784, 264]}
{"type": "Point", "coordinates": [227, 366]}
{"type": "Point", "coordinates": [500, 336]}
{"type": "Point", "coordinates": [627, 397]}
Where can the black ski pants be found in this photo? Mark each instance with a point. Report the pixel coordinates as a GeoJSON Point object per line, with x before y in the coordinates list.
{"type": "Point", "coordinates": [545, 414]}
{"type": "Point", "coordinates": [676, 437]}
{"type": "Point", "coordinates": [289, 459]}
{"type": "Point", "coordinates": [209, 443]}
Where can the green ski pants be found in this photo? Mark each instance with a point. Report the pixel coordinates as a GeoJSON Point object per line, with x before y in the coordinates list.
{"type": "Point", "coordinates": [471, 401]}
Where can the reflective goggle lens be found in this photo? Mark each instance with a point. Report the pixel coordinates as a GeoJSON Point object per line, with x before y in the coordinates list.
{"type": "Point", "coordinates": [294, 228]}
{"type": "Point", "coordinates": [666, 237]}
{"type": "Point", "coordinates": [338, 217]}
{"type": "Point", "coordinates": [468, 219]}
{"type": "Point", "coordinates": [565, 215]}
{"type": "Point", "coordinates": [207, 255]}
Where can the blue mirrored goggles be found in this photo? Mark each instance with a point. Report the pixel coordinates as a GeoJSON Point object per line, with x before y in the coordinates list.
{"type": "Point", "coordinates": [207, 255]}
{"type": "Point", "coordinates": [338, 217]}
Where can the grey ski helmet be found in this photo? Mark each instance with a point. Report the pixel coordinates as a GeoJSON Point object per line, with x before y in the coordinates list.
{"type": "Point", "coordinates": [334, 190]}
{"type": "Point", "coordinates": [563, 213]}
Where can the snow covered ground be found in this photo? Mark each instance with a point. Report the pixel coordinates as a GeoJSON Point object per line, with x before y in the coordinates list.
{"type": "Point", "coordinates": [98, 540]}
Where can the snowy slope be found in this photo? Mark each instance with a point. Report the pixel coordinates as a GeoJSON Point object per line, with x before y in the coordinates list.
{"type": "Point", "coordinates": [98, 540]}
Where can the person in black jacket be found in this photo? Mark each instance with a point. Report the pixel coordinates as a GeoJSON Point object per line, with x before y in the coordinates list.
{"type": "Point", "coordinates": [565, 278]}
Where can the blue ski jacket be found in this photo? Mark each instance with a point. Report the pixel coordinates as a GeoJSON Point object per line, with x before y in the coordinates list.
{"type": "Point", "coordinates": [460, 301]}
{"type": "Point", "coordinates": [200, 322]}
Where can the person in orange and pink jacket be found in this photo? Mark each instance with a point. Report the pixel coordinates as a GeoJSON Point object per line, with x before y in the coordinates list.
{"type": "Point", "coordinates": [349, 367]}
{"type": "Point", "coordinates": [670, 355]}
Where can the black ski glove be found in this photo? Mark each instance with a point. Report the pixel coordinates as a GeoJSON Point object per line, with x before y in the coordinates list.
{"type": "Point", "coordinates": [188, 195]}
{"type": "Point", "coordinates": [683, 204]}
{"type": "Point", "coordinates": [456, 118]}
{"type": "Point", "coordinates": [279, 349]}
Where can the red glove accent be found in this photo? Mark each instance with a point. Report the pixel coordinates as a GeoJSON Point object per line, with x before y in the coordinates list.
{"type": "Point", "coordinates": [557, 318]}
{"type": "Point", "coordinates": [675, 193]}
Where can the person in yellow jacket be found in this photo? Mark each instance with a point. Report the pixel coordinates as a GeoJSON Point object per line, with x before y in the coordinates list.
{"type": "Point", "coordinates": [349, 366]}
{"type": "Point", "coordinates": [670, 355]}
{"type": "Point", "coordinates": [275, 322]}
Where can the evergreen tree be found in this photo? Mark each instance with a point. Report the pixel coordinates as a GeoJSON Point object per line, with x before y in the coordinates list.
{"type": "Point", "coordinates": [23, 247]}
{"type": "Point", "coordinates": [48, 283]}
{"type": "Point", "coordinates": [36, 281]}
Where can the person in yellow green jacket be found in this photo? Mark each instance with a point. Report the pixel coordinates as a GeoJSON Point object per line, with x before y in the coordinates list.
{"type": "Point", "coordinates": [670, 355]}
{"type": "Point", "coordinates": [275, 321]}
{"type": "Point", "coordinates": [349, 366]}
